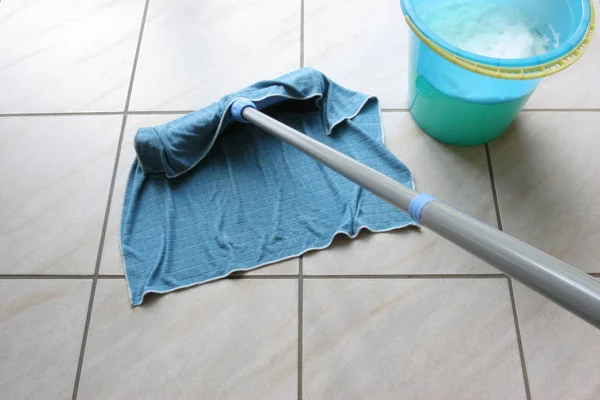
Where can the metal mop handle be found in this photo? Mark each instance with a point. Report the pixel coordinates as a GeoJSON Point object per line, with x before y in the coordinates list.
{"type": "Point", "coordinates": [574, 290]}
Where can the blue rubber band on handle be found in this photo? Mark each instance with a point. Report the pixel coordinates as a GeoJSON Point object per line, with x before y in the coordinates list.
{"type": "Point", "coordinates": [416, 206]}
{"type": "Point", "coordinates": [238, 106]}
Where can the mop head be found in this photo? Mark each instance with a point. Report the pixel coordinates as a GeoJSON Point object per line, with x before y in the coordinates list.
{"type": "Point", "coordinates": [208, 196]}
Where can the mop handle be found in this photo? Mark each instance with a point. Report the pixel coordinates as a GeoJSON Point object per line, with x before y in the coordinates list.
{"type": "Point", "coordinates": [572, 289]}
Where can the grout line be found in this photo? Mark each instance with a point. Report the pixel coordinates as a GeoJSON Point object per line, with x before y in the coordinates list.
{"type": "Point", "coordinates": [43, 276]}
{"type": "Point", "coordinates": [312, 277]}
{"type": "Point", "coordinates": [238, 277]}
{"type": "Point", "coordinates": [92, 113]}
{"type": "Point", "coordinates": [413, 276]}
{"type": "Point", "coordinates": [160, 112]}
{"type": "Point", "coordinates": [510, 282]}
{"type": "Point", "coordinates": [494, 191]}
{"type": "Point", "coordinates": [524, 110]}
{"type": "Point", "coordinates": [300, 322]}
{"type": "Point", "coordinates": [168, 112]}
{"type": "Point", "coordinates": [62, 114]}
{"type": "Point", "coordinates": [135, 59]}
{"type": "Point", "coordinates": [111, 276]}
{"type": "Point", "coordinates": [519, 340]}
{"type": "Point", "coordinates": [108, 203]}
{"type": "Point", "coordinates": [561, 109]}
{"type": "Point", "coordinates": [301, 33]}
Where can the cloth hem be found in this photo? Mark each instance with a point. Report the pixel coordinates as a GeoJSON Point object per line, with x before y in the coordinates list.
{"type": "Point", "coordinates": [364, 227]}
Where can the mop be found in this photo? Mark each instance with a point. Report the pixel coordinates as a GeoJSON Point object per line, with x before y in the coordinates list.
{"type": "Point", "coordinates": [221, 190]}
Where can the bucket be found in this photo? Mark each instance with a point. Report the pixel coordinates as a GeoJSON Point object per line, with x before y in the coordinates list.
{"type": "Point", "coordinates": [465, 98]}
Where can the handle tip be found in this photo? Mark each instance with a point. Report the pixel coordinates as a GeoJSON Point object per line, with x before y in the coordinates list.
{"type": "Point", "coordinates": [238, 106]}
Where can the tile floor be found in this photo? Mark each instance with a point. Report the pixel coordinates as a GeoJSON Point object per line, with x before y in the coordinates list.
{"type": "Point", "coordinates": [392, 315]}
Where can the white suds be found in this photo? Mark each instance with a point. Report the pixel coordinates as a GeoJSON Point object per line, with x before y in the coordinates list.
{"type": "Point", "coordinates": [487, 28]}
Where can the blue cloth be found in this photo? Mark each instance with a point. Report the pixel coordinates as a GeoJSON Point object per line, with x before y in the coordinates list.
{"type": "Point", "coordinates": [208, 196]}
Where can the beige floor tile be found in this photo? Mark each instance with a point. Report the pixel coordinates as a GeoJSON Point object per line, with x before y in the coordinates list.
{"type": "Point", "coordinates": [410, 339]}
{"type": "Point", "coordinates": [548, 180]}
{"type": "Point", "coordinates": [456, 175]}
{"type": "Point", "coordinates": [362, 45]}
{"type": "Point", "coordinates": [225, 340]}
{"type": "Point", "coordinates": [67, 55]}
{"type": "Point", "coordinates": [562, 352]}
{"type": "Point", "coordinates": [55, 174]}
{"type": "Point", "coordinates": [41, 328]}
{"type": "Point", "coordinates": [112, 262]}
{"type": "Point", "coordinates": [195, 52]}
{"type": "Point", "coordinates": [577, 86]}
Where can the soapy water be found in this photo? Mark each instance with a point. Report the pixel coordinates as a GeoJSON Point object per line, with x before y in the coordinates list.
{"type": "Point", "coordinates": [487, 28]}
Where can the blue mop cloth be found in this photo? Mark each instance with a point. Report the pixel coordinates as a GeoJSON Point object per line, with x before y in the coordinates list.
{"type": "Point", "coordinates": [208, 196]}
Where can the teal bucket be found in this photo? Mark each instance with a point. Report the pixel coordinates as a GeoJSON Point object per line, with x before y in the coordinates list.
{"type": "Point", "coordinates": [468, 99]}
